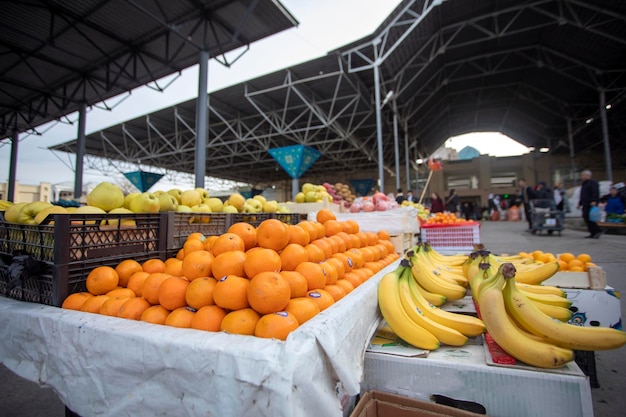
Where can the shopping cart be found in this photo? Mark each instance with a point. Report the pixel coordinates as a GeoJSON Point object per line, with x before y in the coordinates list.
{"type": "Point", "coordinates": [545, 217]}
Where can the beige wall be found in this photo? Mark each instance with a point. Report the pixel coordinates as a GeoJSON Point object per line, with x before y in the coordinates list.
{"type": "Point", "coordinates": [26, 193]}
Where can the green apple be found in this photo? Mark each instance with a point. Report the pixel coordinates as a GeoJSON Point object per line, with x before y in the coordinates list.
{"type": "Point", "coordinates": [256, 206]}
{"type": "Point", "coordinates": [311, 196]}
{"type": "Point", "coordinates": [87, 210]}
{"type": "Point", "coordinates": [300, 198]}
{"type": "Point", "coordinates": [50, 210]}
{"type": "Point", "coordinates": [181, 208]}
{"type": "Point", "coordinates": [230, 209]}
{"type": "Point", "coordinates": [167, 202]}
{"type": "Point", "coordinates": [106, 196]}
{"type": "Point", "coordinates": [12, 212]}
{"type": "Point", "coordinates": [112, 223]}
{"type": "Point", "coordinates": [260, 198]}
{"type": "Point", "coordinates": [176, 193]}
{"type": "Point", "coordinates": [28, 213]}
{"type": "Point", "coordinates": [217, 206]}
{"type": "Point", "coordinates": [203, 193]}
{"type": "Point", "coordinates": [308, 187]}
{"type": "Point", "coordinates": [270, 206]}
{"type": "Point", "coordinates": [128, 199]}
{"type": "Point", "coordinates": [158, 192]}
{"type": "Point", "coordinates": [190, 198]}
{"type": "Point", "coordinates": [283, 209]}
{"type": "Point", "coordinates": [145, 203]}
{"type": "Point", "coordinates": [236, 200]}
{"type": "Point", "coordinates": [201, 208]}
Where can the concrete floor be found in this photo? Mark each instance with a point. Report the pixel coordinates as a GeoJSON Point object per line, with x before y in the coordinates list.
{"type": "Point", "coordinates": [21, 398]}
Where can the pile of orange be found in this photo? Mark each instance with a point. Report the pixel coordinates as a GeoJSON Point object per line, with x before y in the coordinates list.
{"type": "Point", "coordinates": [444, 218]}
{"type": "Point", "coordinates": [264, 281]}
{"type": "Point", "coordinates": [568, 262]}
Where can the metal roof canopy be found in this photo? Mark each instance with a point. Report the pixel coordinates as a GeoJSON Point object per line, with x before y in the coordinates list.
{"type": "Point", "coordinates": [60, 56]}
{"type": "Point", "coordinates": [537, 71]}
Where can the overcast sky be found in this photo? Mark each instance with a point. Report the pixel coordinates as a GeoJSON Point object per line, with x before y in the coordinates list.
{"type": "Point", "coordinates": [324, 26]}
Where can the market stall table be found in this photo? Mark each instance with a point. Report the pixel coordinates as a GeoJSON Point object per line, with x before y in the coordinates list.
{"type": "Point", "coordinates": [106, 366]}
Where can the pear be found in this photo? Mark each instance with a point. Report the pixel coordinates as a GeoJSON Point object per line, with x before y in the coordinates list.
{"type": "Point", "coordinates": [106, 196]}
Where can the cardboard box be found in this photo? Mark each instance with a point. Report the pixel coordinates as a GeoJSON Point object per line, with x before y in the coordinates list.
{"type": "Point", "coordinates": [594, 279]}
{"type": "Point", "coordinates": [384, 404]}
{"type": "Point", "coordinates": [595, 307]}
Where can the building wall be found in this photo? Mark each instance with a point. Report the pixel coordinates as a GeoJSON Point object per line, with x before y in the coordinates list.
{"type": "Point", "coordinates": [26, 193]}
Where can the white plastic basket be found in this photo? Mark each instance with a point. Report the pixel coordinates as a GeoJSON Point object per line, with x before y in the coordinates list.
{"type": "Point", "coordinates": [452, 238]}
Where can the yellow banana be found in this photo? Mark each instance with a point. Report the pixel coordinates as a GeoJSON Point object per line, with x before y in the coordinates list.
{"type": "Point", "coordinates": [397, 318]}
{"type": "Point", "coordinates": [509, 337]}
{"type": "Point", "coordinates": [465, 324]}
{"type": "Point", "coordinates": [449, 273]}
{"type": "Point", "coordinates": [537, 274]}
{"type": "Point", "coordinates": [429, 279]}
{"type": "Point", "coordinates": [549, 299]}
{"type": "Point", "coordinates": [434, 299]}
{"type": "Point", "coordinates": [561, 334]}
{"type": "Point", "coordinates": [472, 264]}
{"type": "Point", "coordinates": [541, 289]}
{"type": "Point", "coordinates": [450, 260]}
{"type": "Point", "coordinates": [556, 312]}
{"type": "Point", "coordinates": [445, 334]}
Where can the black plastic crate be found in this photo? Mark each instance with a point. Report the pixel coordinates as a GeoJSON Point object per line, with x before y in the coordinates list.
{"type": "Point", "coordinates": [290, 218]}
{"type": "Point", "coordinates": [254, 219]}
{"type": "Point", "coordinates": [586, 360]}
{"type": "Point", "coordinates": [69, 246]}
{"type": "Point", "coordinates": [181, 225]}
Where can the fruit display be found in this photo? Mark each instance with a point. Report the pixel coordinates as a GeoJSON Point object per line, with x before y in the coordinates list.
{"type": "Point", "coordinates": [568, 262]}
{"type": "Point", "coordinates": [423, 212]}
{"type": "Point", "coordinates": [525, 318]}
{"type": "Point", "coordinates": [376, 202]}
{"type": "Point", "coordinates": [444, 218]}
{"type": "Point", "coordinates": [338, 194]}
{"type": "Point", "coordinates": [263, 281]}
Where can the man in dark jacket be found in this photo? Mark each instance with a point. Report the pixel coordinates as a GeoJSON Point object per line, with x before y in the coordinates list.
{"type": "Point", "coordinates": [589, 196]}
{"type": "Point", "coordinates": [527, 194]}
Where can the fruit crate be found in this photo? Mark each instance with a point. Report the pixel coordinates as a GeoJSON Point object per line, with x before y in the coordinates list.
{"type": "Point", "coordinates": [290, 218]}
{"type": "Point", "coordinates": [181, 225]}
{"type": "Point", "coordinates": [65, 247]}
{"type": "Point", "coordinates": [458, 237]}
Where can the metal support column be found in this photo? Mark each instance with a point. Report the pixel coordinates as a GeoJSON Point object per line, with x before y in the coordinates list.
{"type": "Point", "coordinates": [572, 154]}
{"type": "Point", "coordinates": [202, 112]}
{"type": "Point", "coordinates": [396, 143]}
{"type": "Point", "coordinates": [80, 152]}
{"type": "Point", "coordinates": [12, 166]}
{"type": "Point", "coordinates": [379, 131]}
{"type": "Point", "coordinates": [295, 188]}
{"type": "Point", "coordinates": [605, 137]}
{"type": "Point", "coordinates": [407, 156]}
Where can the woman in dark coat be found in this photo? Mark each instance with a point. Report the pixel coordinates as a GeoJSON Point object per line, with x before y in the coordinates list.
{"type": "Point", "coordinates": [452, 202]}
{"type": "Point", "coordinates": [436, 203]}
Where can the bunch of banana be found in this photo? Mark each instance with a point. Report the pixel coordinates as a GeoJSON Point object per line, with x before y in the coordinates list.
{"type": "Point", "coordinates": [528, 271]}
{"type": "Point", "coordinates": [534, 321]}
{"type": "Point", "coordinates": [4, 204]}
{"type": "Point", "coordinates": [513, 340]}
{"type": "Point", "coordinates": [417, 321]}
{"type": "Point", "coordinates": [436, 278]}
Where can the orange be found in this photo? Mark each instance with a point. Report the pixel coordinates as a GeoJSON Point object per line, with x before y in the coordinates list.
{"type": "Point", "coordinates": [136, 282]}
{"type": "Point", "coordinates": [335, 291]}
{"type": "Point", "coordinates": [276, 325]}
{"type": "Point", "coordinates": [575, 263]}
{"type": "Point", "coordinates": [76, 300]}
{"type": "Point", "coordinates": [322, 298]}
{"type": "Point", "coordinates": [302, 308]}
{"type": "Point", "coordinates": [347, 261]}
{"type": "Point", "coordinates": [346, 239]}
{"type": "Point", "coordinates": [321, 230]}
{"type": "Point", "coordinates": [346, 285]}
{"type": "Point", "coordinates": [298, 235]}
{"type": "Point", "coordinates": [180, 254]}
{"type": "Point", "coordinates": [229, 263]}
{"type": "Point", "coordinates": [354, 278]}
{"type": "Point", "coordinates": [226, 243]}
{"type": "Point", "coordinates": [155, 314]}
{"type": "Point", "coordinates": [565, 257]}
{"type": "Point", "coordinates": [563, 266]}
{"type": "Point", "coordinates": [125, 269]}
{"type": "Point", "coordinates": [192, 245]}
{"type": "Point", "coordinates": [230, 292]}
{"type": "Point", "coordinates": [369, 253]}
{"type": "Point", "coordinates": [373, 266]}
{"type": "Point", "coordinates": [93, 304]}
{"type": "Point", "coordinates": [112, 306]}
{"type": "Point", "coordinates": [240, 321]}
{"type": "Point", "coordinates": [340, 243]}
{"type": "Point", "coordinates": [363, 238]}
{"type": "Point", "coordinates": [363, 273]}
{"type": "Point", "coordinates": [133, 308]}
{"type": "Point", "coordinates": [324, 246]}
{"type": "Point", "coordinates": [197, 264]}
{"type": "Point", "coordinates": [353, 226]}
{"type": "Point", "coordinates": [101, 280]}
{"type": "Point", "coordinates": [200, 292]}
{"type": "Point", "coordinates": [208, 242]}
{"type": "Point", "coordinates": [297, 283]}
{"type": "Point", "coordinates": [536, 254]}
{"type": "Point", "coordinates": [314, 274]}
{"type": "Point", "coordinates": [583, 257]}
{"type": "Point", "coordinates": [268, 292]}
{"type": "Point", "coordinates": [324, 215]}
{"type": "Point", "coordinates": [357, 257]}
{"type": "Point", "coordinates": [330, 272]}
{"type": "Point", "coordinates": [153, 265]}
{"type": "Point", "coordinates": [196, 235]}
{"type": "Point", "coordinates": [334, 246]}
{"type": "Point", "coordinates": [181, 317]}
{"type": "Point", "coordinates": [292, 255]}
{"type": "Point", "coordinates": [372, 238]}
{"type": "Point", "coordinates": [338, 265]}
{"type": "Point", "coordinates": [355, 241]}
{"type": "Point", "coordinates": [150, 289]}
{"type": "Point", "coordinates": [174, 267]}
{"type": "Point", "coordinates": [208, 318]}
{"type": "Point", "coordinates": [261, 260]}
{"type": "Point", "coordinates": [121, 292]}
{"type": "Point", "coordinates": [308, 227]}
{"type": "Point", "coordinates": [172, 292]}
{"type": "Point", "coordinates": [316, 254]}
{"type": "Point", "coordinates": [383, 235]}
{"type": "Point", "coordinates": [332, 227]}
{"type": "Point", "coordinates": [245, 231]}
{"type": "Point", "coordinates": [576, 269]}
{"type": "Point", "coordinates": [390, 247]}
{"type": "Point", "coordinates": [272, 234]}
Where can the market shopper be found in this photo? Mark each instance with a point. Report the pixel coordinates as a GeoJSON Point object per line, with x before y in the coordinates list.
{"type": "Point", "coordinates": [589, 196]}
{"type": "Point", "coordinates": [526, 194]}
{"type": "Point", "coordinates": [559, 196]}
{"type": "Point", "coordinates": [452, 201]}
{"type": "Point", "coordinates": [400, 196]}
{"type": "Point", "coordinates": [614, 202]}
{"type": "Point", "coordinates": [436, 203]}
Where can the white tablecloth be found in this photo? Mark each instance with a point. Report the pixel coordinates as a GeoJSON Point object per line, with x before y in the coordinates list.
{"type": "Point", "coordinates": [106, 366]}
